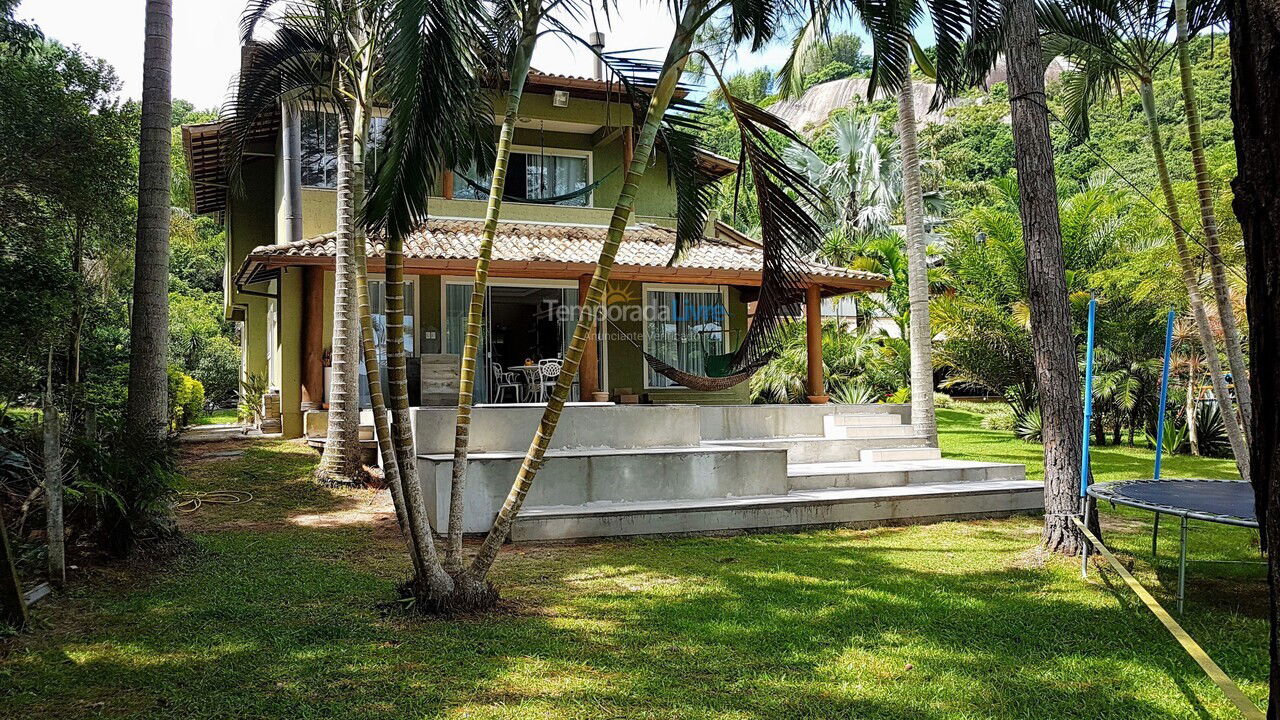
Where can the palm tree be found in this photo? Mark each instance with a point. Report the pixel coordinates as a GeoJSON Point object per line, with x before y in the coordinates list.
{"type": "Point", "coordinates": [812, 33]}
{"type": "Point", "coordinates": [148, 404]}
{"type": "Point", "coordinates": [314, 54]}
{"type": "Point", "coordinates": [1208, 218]}
{"type": "Point", "coordinates": [393, 202]}
{"type": "Point", "coordinates": [437, 123]}
{"type": "Point", "coordinates": [1109, 39]}
{"type": "Point", "coordinates": [517, 30]}
{"type": "Point", "coordinates": [862, 186]}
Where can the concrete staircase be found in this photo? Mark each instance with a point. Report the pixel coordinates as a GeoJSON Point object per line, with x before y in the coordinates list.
{"type": "Point", "coordinates": [820, 467]}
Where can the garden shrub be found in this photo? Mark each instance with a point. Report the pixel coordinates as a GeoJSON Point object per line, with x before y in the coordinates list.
{"type": "Point", "coordinates": [186, 398]}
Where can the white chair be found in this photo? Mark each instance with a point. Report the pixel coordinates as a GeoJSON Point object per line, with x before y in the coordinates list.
{"type": "Point", "coordinates": [550, 375]}
{"type": "Point", "coordinates": [503, 379]}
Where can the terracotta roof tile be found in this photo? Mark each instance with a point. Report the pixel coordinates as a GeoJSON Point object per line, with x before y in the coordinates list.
{"type": "Point", "coordinates": [643, 245]}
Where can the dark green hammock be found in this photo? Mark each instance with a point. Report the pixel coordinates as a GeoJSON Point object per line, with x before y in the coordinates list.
{"type": "Point", "coordinates": [484, 191]}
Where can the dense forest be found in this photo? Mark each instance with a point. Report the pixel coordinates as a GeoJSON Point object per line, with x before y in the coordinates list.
{"type": "Point", "coordinates": [1117, 243]}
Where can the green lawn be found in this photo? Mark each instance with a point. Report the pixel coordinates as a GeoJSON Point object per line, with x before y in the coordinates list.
{"type": "Point", "coordinates": [221, 416]}
{"type": "Point", "coordinates": [278, 617]}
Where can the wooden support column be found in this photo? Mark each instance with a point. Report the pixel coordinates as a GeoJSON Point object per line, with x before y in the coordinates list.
{"type": "Point", "coordinates": [813, 342]}
{"type": "Point", "coordinates": [312, 375]}
{"type": "Point", "coordinates": [446, 190]}
{"type": "Point", "coordinates": [589, 370]}
{"type": "Point", "coordinates": [628, 149]}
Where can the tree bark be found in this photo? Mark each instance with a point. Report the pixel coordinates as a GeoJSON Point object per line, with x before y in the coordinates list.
{"type": "Point", "coordinates": [1255, 111]}
{"type": "Point", "coordinates": [340, 462]}
{"type": "Point", "coordinates": [1209, 221]}
{"type": "Point", "coordinates": [1052, 339]}
{"type": "Point", "coordinates": [475, 312]}
{"type": "Point", "coordinates": [55, 530]}
{"type": "Point", "coordinates": [923, 417]}
{"type": "Point", "coordinates": [147, 412]}
{"type": "Point", "coordinates": [372, 371]}
{"type": "Point", "coordinates": [1191, 280]}
{"type": "Point", "coordinates": [673, 67]}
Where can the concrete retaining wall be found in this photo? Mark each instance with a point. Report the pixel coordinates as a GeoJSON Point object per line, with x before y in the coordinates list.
{"type": "Point", "coordinates": [509, 429]}
{"type": "Point", "coordinates": [580, 478]}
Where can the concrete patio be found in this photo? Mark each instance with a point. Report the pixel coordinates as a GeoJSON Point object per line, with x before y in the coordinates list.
{"type": "Point", "coordinates": [618, 470]}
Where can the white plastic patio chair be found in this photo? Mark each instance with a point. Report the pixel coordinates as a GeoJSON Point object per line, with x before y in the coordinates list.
{"type": "Point", "coordinates": [503, 379]}
{"type": "Point", "coordinates": [550, 372]}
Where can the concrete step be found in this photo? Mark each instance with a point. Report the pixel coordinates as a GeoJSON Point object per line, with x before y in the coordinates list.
{"type": "Point", "coordinates": [869, 431]}
{"type": "Point", "coordinates": [849, 419]}
{"type": "Point", "coordinates": [813, 449]}
{"type": "Point", "coordinates": [591, 475]}
{"type": "Point", "coordinates": [899, 473]}
{"type": "Point", "coordinates": [831, 507]}
{"type": "Point", "coordinates": [891, 454]}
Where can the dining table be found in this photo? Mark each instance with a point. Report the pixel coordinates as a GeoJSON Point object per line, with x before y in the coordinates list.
{"type": "Point", "coordinates": [531, 376]}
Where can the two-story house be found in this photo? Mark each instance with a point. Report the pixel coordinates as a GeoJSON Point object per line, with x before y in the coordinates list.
{"type": "Point", "coordinates": [573, 144]}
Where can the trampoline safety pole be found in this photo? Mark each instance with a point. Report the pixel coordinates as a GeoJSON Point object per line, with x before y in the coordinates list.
{"type": "Point", "coordinates": [1088, 420]}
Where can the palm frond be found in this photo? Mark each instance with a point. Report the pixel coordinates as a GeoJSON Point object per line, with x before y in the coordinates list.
{"type": "Point", "coordinates": [439, 118]}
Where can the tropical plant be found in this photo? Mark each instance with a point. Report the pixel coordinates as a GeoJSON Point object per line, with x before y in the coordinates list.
{"type": "Point", "coordinates": [149, 331]}
{"type": "Point", "coordinates": [893, 49]}
{"type": "Point", "coordinates": [1109, 40]}
{"type": "Point", "coordinates": [849, 360]}
{"type": "Point", "coordinates": [252, 388]}
{"type": "Point", "coordinates": [862, 185]}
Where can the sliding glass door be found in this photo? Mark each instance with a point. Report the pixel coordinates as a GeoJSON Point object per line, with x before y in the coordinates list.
{"type": "Point", "coordinates": [523, 324]}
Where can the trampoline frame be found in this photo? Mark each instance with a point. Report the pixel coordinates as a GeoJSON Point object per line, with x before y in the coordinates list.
{"type": "Point", "coordinates": [1106, 491]}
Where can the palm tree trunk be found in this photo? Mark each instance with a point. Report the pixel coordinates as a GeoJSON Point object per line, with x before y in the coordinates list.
{"type": "Point", "coordinates": [475, 312]}
{"type": "Point", "coordinates": [373, 374]}
{"type": "Point", "coordinates": [1052, 339]}
{"type": "Point", "coordinates": [923, 417]}
{"type": "Point", "coordinates": [1193, 432]}
{"type": "Point", "coordinates": [673, 66]}
{"type": "Point", "coordinates": [148, 404]}
{"type": "Point", "coordinates": [1208, 219]}
{"type": "Point", "coordinates": [432, 586]}
{"type": "Point", "coordinates": [1239, 446]}
{"type": "Point", "coordinates": [341, 459]}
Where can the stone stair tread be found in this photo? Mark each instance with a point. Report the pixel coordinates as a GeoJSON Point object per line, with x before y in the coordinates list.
{"type": "Point", "coordinates": [852, 467]}
{"type": "Point", "coordinates": [749, 442]}
{"type": "Point", "coordinates": [793, 498]}
{"type": "Point", "coordinates": [600, 452]}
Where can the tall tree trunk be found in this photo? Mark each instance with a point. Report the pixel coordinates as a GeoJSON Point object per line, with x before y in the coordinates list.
{"type": "Point", "coordinates": [1209, 221]}
{"type": "Point", "coordinates": [475, 312]}
{"type": "Point", "coordinates": [1052, 339]}
{"type": "Point", "coordinates": [54, 527]}
{"type": "Point", "coordinates": [372, 371]}
{"type": "Point", "coordinates": [147, 414]}
{"type": "Point", "coordinates": [673, 67]}
{"type": "Point", "coordinates": [1255, 110]}
{"type": "Point", "coordinates": [1193, 431]}
{"type": "Point", "coordinates": [1190, 279]}
{"type": "Point", "coordinates": [923, 417]}
{"type": "Point", "coordinates": [340, 462]}
{"type": "Point", "coordinates": [431, 586]}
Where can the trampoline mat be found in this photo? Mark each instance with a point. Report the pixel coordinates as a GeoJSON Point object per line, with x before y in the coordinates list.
{"type": "Point", "coordinates": [1224, 501]}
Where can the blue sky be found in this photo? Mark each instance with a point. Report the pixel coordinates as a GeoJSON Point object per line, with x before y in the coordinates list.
{"type": "Point", "coordinates": [206, 40]}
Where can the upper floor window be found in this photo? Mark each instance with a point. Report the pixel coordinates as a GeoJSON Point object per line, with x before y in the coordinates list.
{"type": "Point", "coordinates": [320, 147]}
{"type": "Point", "coordinates": [535, 175]}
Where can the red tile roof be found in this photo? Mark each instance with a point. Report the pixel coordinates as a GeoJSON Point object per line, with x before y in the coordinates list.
{"type": "Point", "coordinates": [643, 246]}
